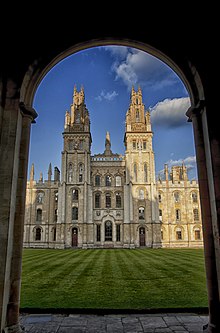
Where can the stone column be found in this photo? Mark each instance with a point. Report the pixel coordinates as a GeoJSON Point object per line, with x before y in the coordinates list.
{"type": "Point", "coordinates": [10, 132]}
{"type": "Point", "coordinates": [26, 116]}
{"type": "Point", "coordinates": [198, 117]}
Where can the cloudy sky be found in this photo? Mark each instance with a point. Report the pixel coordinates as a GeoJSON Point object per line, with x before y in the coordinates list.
{"type": "Point", "coordinates": [107, 75]}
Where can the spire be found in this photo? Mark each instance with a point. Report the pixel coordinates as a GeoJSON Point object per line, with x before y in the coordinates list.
{"type": "Point", "coordinates": [41, 177]}
{"type": "Point", "coordinates": [32, 172]}
{"type": "Point", "coordinates": [107, 144]}
{"type": "Point", "coordinates": [49, 172]}
{"type": "Point", "coordinates": [166, 172]}
{"type": "Point", "coordinates": [107, 139]}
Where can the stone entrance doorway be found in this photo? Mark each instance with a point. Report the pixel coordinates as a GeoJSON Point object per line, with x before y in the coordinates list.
{"type": "Point", "coordinates": [74, 237]}
{"type": "Point", "coordinates": [142, 236]}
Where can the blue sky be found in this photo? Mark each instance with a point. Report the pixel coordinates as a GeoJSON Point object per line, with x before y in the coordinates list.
{"type": "Point", "coordinates": [107, 75]}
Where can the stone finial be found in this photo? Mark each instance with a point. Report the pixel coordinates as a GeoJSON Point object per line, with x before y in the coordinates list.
{"type": "Point", "coordinates": [49, 172]}
{"type": "Point", "coordinates": [32, 172]}
{"type": "Point", "coordinates": [41, 177]}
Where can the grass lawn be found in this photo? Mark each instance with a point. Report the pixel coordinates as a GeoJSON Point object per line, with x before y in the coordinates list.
{"type": "Point", "coordinates": [113, 279]}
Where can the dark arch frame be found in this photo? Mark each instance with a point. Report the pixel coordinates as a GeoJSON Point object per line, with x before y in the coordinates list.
{"type": "Point", "coordinates": [207, 152]}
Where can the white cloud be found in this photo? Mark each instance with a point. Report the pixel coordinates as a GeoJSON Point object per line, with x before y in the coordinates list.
{"type": "Point", "coordinates": [189, 162]}
{"type": "Point", "coordinates": [134, 67]}
{"type": "Point", "coordinates": [117, 51]}
{"type": "Point", "coordinates": [106, 95]}
{"type": "Point", "coordinates": [170, 112]}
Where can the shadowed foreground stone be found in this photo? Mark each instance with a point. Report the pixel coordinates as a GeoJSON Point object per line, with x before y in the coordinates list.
{"type": "Point", "coordinates": [118, 323]}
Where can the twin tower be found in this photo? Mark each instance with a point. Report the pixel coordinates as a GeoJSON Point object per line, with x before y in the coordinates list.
{"type": "Point", "coordinates": [108, 200]}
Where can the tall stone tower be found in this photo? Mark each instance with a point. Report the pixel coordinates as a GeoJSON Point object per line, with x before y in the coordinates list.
{"type": "Point", "coordinates": [74, 203]}
{"type": "Point", "coordinates": [140, 194]}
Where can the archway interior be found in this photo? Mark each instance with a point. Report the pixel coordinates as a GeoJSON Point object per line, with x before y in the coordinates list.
{"type": "Point", "coordinates": [107, 74]}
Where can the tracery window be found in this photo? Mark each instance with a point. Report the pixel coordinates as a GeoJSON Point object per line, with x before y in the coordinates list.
{"type": "Point", "coordinates": [141, 213]}
{"type": "Point", "coordinates": [196, 214]}
{"type": "Point", "coordinates": [40, 197]}
{"type": "Point", "coordinates": [108, 231]}
{"type": "Point", "coordinates": [39, 215]}
{"type": "Point", "coordinates": [38, 234]}
{"type": "Point", "coordinates": [75, 195]}
{"type": "Point", "coordinates": [108, 200]}
{"type": "Point", "coordinates": [117, 181]}
{"type": "Point", "coordinates": [81, 169]}
{"type": "Point", "coordinates": [118, 200]}
{"type": "Point", "coordinates": [107, 180]}
{"type": "Point", "coordinates": [74, 213]}
{"type": "Point", "coordinates": [97, 200]}
{"type": "Point", "coordinates": [97, 180]}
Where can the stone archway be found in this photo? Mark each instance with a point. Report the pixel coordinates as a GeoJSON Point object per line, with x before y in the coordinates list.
{"type": "Point", "coordinates": [17, 115]}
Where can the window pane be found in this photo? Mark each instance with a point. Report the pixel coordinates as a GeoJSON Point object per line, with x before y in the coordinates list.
{"type": "Point", "coordinates": [98, 233]}
{"type": "Point", "coordinates": [118, 200]}
{"type": "Point", "coordinates": [97, 200]}
{"type": "Point", "coordinates": [74, 213]}
{"type": "Point", "coordinates": [75, 195]}
{"type": "Point", "coordinates": [108, 201]}
{"type": "Point", "coordinates": [97, 180]}
{"type": "Point", "coordinates": [108, 231]}
{"type": "Point", "coordinates": [118, 233]}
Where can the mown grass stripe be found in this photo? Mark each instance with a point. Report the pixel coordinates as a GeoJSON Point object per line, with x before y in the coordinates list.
{"type": "Point", "coordinates": [110, 278]}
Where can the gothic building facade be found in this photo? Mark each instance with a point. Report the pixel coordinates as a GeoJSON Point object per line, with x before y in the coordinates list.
{"type": "Point", "coordinates": [110, 200]}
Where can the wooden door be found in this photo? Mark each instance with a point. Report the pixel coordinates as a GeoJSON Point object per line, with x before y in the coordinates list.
{"type": "Point", "coordinates": [74, 237]}
{"type": "Point", "coordinates": [142, 236]}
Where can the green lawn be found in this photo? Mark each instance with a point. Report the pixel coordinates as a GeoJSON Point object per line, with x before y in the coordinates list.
{"type": "Point", "coordinates": [113, 279]}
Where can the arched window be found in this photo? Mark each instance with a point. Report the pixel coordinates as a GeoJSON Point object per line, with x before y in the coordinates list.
{"type": "Point", "coordinates": [97, 200]}
{"type": "Point", "coordinates": [161, 234]}
{"type": "Point", "coordinates": [196, 214]}
{"type": "Point", "coordinates": [141, 194]}
{"type": "Point", "coordinates": [117, 181]}
{"type": "Point", "coordinates": [194, 197]}
{"type": "Point", "coordinates": [141, 213]}
{"type": "Point", "coordinates": [38, 234]}
{"type": "Point", "coordinates": [70, 173]}
{"type": "Point", "coordinates": [107, 180]}
{"type": "Point", "coordinates": [108, 231]}
{"type": "Point", "coordinates": [137, 115]}
{"type": "Point", "coordinates": [179, 234]}
{"type": "Point", "coordinates": [75, 213]}
{"type": "Point", "coordinates": [40, 197]}
{"type": "Point", "coordinates": [75, 195]}
{"type": "Point", "coordinates": [145, 173]}
{"type": "Point", "coordinates": [39, 215]}
{"type": "Point", "coordinates": [118, 200]}
{"type": "Point", "coordinates": [108, 200]}
{"type": "Point", "coordinates": [135, 172]}
{"type": "Point", "coordinates": [197, 234]}
{"type": "Point", "coordinates": [176, 196]}
{"type": "Point", "coordinates": [81, 169]}
{"type": "Point", "coordinates": [160, 214]}
{"type": "Point", "coordinates": [97, 180]}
